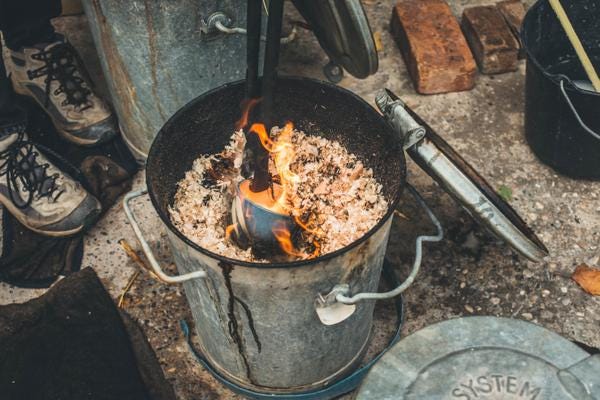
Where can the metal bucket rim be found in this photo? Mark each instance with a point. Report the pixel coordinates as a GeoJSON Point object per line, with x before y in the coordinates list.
{"type": "Point", "coordinates": [555, 78]}
{"type": "Point", "coordinates": [292, 264]}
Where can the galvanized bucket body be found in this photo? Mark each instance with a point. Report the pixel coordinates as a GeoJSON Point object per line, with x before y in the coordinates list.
{"type": "Point", "coordinates": [156, 58]}
{"type": "Point", "coordinates": [257, 323]}
{"type": "Point", "coordinates": [259, 328]}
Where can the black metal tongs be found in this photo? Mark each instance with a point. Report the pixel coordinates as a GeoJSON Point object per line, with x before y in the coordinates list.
{"type": "Point", "coordinates": [262, 88]}
{"type": "Point", "coordinates": [252, 222]}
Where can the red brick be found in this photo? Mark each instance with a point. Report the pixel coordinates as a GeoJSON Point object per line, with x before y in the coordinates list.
{"type": "Point", "coordinates": [491, 40]}
{"type": "Point", "coordinates": [513, 12]}
{"type": "Point", "coordinates": [433, 46]}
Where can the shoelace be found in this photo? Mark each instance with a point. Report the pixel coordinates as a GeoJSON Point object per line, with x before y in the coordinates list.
{"type": "Point", "coordinates": [62, 63]}
{"type": "Point", "coordinates": [20, 165]}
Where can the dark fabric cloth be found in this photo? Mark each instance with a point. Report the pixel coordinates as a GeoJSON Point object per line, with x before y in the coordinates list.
{"type": "Point", "coordinates": [27, 22]}
{"type": "Point", "coordinates": [35, 261]}
{"type": "Point", "coordinates": [72, 344]}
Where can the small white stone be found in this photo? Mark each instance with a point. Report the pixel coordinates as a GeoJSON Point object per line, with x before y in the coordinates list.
{"type": "Point", "coordinates": [463, 285]}
{"type": "Point", "coordinates": [580, 314]}
{"type": "Point", "coordinates": [564, 289]}
{"type": "Point", "coordinates": [566, 302]}
{"type": "Point", "coordinates": [545, 292]}
{"type": "Point", "coordinates": [532, 216]}
{"type": "Point", "coordinates": [527, 316]}
{"type": "Point", "coordinates": [495, 301]}
{"type": "Point", "coordinates": [469, 308]}
{"type": "Point", "coordinates": [539, 206]}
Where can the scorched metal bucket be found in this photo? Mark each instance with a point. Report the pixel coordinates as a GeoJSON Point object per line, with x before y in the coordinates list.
{"type": "Point", "coordinates": [257, 323]}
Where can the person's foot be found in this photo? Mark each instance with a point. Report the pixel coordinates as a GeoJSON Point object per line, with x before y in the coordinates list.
{"type": "Point", "coordinates": [53, 75]}
{"type": "Point", "coordinates": [38, 194]}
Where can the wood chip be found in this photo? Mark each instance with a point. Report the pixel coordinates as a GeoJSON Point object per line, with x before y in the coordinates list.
{"type": "Point", "coordinates": [335, 194]}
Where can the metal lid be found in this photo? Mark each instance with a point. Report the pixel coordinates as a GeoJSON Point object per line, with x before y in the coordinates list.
{"type": "Point", "coordinates": [343, 31]}
{"type": "Point", "coordinates": [459, 179]}
{"type": "Point", "coordinates": [484, 358]}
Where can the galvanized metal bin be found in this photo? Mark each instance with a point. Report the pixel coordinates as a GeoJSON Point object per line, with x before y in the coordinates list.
{"type": "Point", "coordinates": [156, 58]}
{"type": "Point", "coordinates": [257, 323]}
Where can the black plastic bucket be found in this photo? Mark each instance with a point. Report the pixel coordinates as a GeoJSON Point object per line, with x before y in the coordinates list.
{"type": "Point", "coordinates": [562, 119]}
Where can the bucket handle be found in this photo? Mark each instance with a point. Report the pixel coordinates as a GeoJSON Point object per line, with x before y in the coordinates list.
{"type": "Point", "coordinates": [570, 103]}
{"type": "Point", "coordinates": [146, 248]}
{"type": "Point", "coordinates": [340, 293]}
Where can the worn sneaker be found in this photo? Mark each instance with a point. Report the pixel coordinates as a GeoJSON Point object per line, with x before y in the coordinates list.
{"type": "Point", "coordinates": [38, 194]}
{"type": "Point", "coordinates": [54, 75]}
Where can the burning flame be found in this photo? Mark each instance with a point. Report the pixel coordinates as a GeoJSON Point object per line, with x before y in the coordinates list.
{"type": "Point", "coordinates": [284, 238]}
{"type": "Point", "coordinates": [229, 230]}
{"type": "Point", "coordinates": [247, 106]}
{"type": "Point", "coordinates": [277, 198]}
{"type": "Point", "coordinates": [284, 154]}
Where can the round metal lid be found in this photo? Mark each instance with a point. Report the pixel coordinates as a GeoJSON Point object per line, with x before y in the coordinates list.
{"type": "Point", "coordinates": [458, 178]}
{"type": "Point", "coordinates": [342, 29]}
{"type": "Point", "coordinates": [484, 358]}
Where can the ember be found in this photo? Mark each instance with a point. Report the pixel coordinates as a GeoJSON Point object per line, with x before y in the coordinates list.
{"type": "Point", "coordinates": [331, 196]}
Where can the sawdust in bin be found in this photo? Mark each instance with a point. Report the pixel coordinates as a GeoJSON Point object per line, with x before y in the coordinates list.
{"type": "Point", "coordinates": [334, 195]}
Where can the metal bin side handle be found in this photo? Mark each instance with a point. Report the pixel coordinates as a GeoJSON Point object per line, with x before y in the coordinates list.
{"type": "Point", "coordinates": [341, 291]}
{"type": "Point", "coordinates": [146, 248]}
{"type": "Point", "coordinates": [575, 113]}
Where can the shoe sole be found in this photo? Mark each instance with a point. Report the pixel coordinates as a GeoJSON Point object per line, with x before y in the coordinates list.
{"type": "Point", "coordinates": [14, 211]}
{"type": "Point", "coordinates": [19, 89]}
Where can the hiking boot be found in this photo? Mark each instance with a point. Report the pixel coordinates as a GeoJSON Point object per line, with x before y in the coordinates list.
{"type": "Point", "coordinates": [38, 194]}
{"type": "Point", "coordinates": [54, 75]}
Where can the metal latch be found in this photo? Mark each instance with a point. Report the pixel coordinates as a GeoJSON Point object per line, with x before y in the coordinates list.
{"type": "Point", "coordinates": [395, 113]}
{"type": "Point", "coordinates": [329, 310]}
{"type": "Point", "coordinates": [218, 22]}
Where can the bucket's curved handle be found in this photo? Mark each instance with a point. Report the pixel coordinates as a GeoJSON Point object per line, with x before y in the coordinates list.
{"type": "Point", "coordinates": [340, 292]}
{"type": "Point", "coordinates": [146, 248]}
{"type": "Point", "coordinates": [570, 103]}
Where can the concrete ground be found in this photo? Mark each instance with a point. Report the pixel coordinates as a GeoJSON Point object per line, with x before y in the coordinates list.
{"type": "Point", "coordinates": [468, 273]}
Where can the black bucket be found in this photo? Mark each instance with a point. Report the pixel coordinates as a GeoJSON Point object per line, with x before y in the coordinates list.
{"type": "Point", "coordinates": [562, 117]}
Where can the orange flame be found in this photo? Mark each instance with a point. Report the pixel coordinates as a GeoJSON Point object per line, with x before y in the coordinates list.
{"type": "Point", "coordinates": [261, 131]}
{"type": "Point", "coordinates": [247, 106]}
{"type": "Point", "coordinates": [284, 238]}
{"type": "Point", "coordinates": [229, 230]}
{"type": "Point", "coordinates": [282, 150]}
{"type": "Point", "coordinates": [278, 198]}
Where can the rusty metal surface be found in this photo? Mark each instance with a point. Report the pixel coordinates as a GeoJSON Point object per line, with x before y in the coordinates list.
{"type": "Point", "coordinates": [259, 326]}
{"type": "Point", "coordinates": [156, 59]}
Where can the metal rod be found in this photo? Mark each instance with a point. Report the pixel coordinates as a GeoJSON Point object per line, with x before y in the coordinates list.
{"type": "Point", "coordinates": [262, 178]}
{"type": "Point", "coordinates": [260, 157]}
{"type": "Point", "coordinates": [271, 59]}
{"type": "Point", "coordinates": [416, 263]}
{"type": "Point", "coordinates": [253, 47]}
